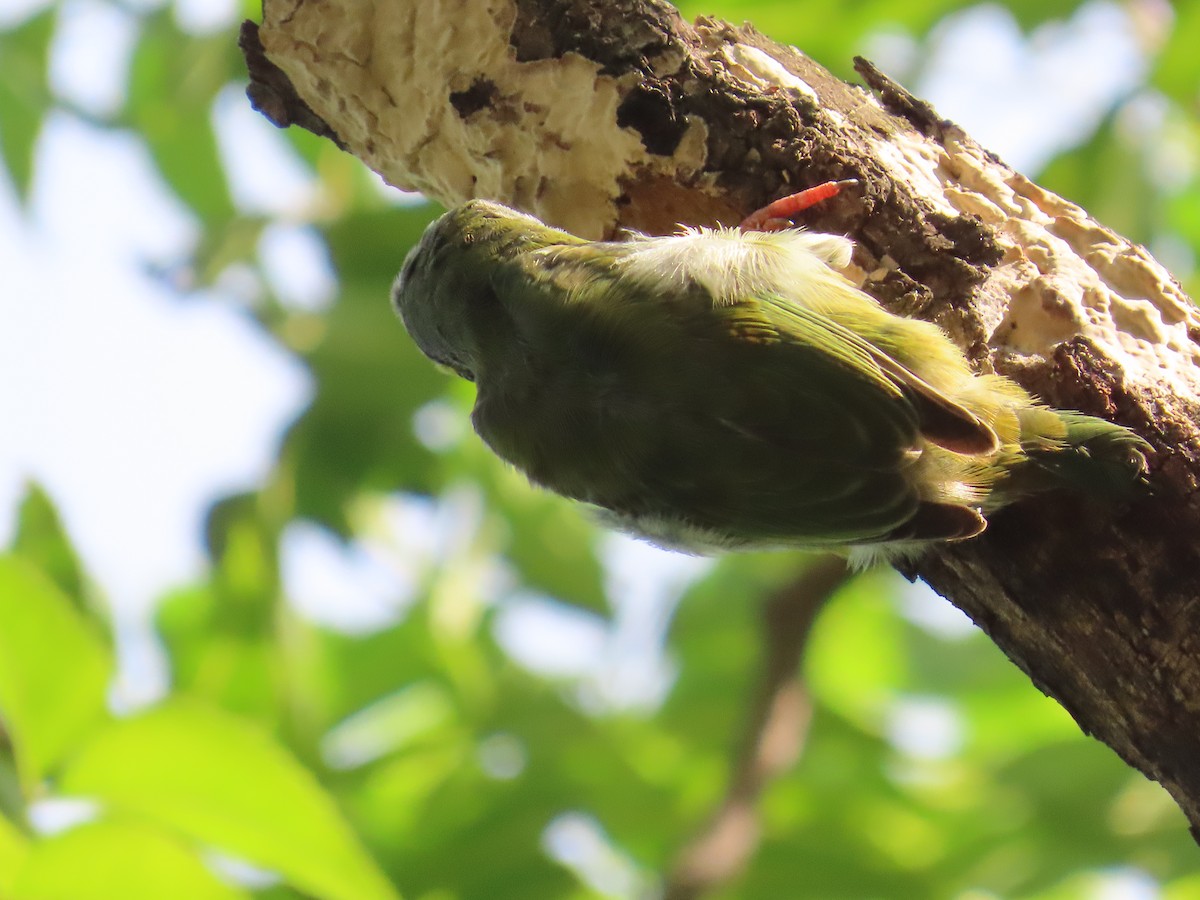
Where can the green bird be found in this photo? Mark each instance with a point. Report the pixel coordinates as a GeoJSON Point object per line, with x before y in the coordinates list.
{"type": "Point", "coordinates": [729, 388]}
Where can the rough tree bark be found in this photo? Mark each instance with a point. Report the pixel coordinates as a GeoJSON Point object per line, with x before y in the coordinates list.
{"type": "Point", "coordinates": [601, 114]}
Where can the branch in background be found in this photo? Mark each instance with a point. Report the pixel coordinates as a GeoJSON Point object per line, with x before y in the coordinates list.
{"type": "Point", "coordinates": [773, 735]}
{"type": "Point", "coordinates": [601, 114]}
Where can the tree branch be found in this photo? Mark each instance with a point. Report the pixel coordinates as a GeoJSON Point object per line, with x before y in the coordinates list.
{"type": "Point", "coordinates": [600, 114]}
{"type": "Point", "coordinates": [773, 735]}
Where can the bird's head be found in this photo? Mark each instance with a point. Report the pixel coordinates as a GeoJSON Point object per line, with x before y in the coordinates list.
{"type": "Point", "coordinates": [444, 293]}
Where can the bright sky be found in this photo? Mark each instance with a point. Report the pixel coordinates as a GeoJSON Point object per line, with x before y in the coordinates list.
{"type": "Point", "coordinates": [137, 405]}
{"type": "Point", "coordinates": [1029, 99]}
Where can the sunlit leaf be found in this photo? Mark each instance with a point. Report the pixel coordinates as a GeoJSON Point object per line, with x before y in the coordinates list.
{"type": "Point", "coordinates": [54, 669]}
{"type": "Point", "coordinates": [855, 660]}
{"type": "Point", "coordinates": [14, 848]}
{"type": "Point", "coordinates": [228, 242]}
{"type": "Point", "coordinates": [223, 634]}
{"type": "Point", "coordinates": [1182, 888]}
{"type": "Point", "coordinates": [336, 675]}
{"type": "Point", "coordinates": [1177, 71]}
{"type": "Point", "coordinates": [117, 861]}
{"type": "Point", "coordinates": [42, 540]}
{"type": "Point", "coordinates": [223, 781]}
{"type": "Point", "coordinates": [24, 93]}
{"type": "Point", "coordinates": [550, 541]}
{"type": "Point", "coordinates": [406, 717]}
{"type": "Point", "coordinates": [174, 79]}
{"type": "Point", "coordinates": [358, 434]}
{"type": "Point", "coordinates": [717, 633]}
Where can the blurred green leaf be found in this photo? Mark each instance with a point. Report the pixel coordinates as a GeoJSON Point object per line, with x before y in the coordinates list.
{"type": "Point", "coordinates": [716, 636]}
{"type": "Point", "coordinates": [550, 540]}
{"type": "Point", "coordinates": [358, 434]}
{"type": "Point", "coordinates": [1004, 716]}
{"type": "Point", "coordinates": [1107, 176]}
{"type": "Point", "coordinates": [117, 861]}
{"type": "Point", "coordinates": [1072, 812]}
{"type": "Point", "coordinates": [1186, 888]}
{"type": "Point", "coordinates": [335, 675]}
{"type": "Point", "coordinates": [42, 540]}
{"type": "Point", "coordinates": [409, 716]}
{"type": "Point", "coordinates": [855, 660]}
{"type": "Point", "coordinates": [833, 32]}
{"type": "Point", "coordinates": [223, 635]}
{"type": "Point", "coordinates": [24, 93]}
{"type": "Point", "coordinates": [226, 243]}
{"type": "Point", "coordinates": [1182, 212]}
{"type": "Point", "coordinates": [54, 670]}
{"type": "Point", "coordinates": [174, 79]}
{"type": "Point", "coordinates": [213, 654]}
{"type": "Point", "coordinates": [1177, 72]}
{"type": "Point", "coordinates": [436, 804]}
{"type": "Point", "coordinates": [1031, 13]}
{"type": "Point", "coordinates": [14, 848]}
{"type": "Point", "coordinates": [223, 781]}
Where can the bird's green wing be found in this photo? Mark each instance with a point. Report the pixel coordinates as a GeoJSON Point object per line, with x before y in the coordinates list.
{"type": "Point", "coordinates": [942, 420]}
{"type": "Point", "coordinates": [805, 441]}
{"type": "Point", "coordinates": [849, 421]}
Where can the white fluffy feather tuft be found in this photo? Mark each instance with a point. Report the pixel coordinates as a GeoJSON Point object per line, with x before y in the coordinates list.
{"type": "Point", "coordinates": [730, 263]}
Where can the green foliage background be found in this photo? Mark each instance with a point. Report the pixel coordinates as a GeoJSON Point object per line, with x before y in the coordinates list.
{"type": "Point", "coordinates": [236, 759]}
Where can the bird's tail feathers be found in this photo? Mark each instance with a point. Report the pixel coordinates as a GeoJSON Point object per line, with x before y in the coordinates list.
{"type": "Point", "coordinates": [1062, 449]}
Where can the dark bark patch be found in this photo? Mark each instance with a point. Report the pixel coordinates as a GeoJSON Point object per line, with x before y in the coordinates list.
{"type": "Point", "coordinates": [650, 110]}
{"type": "Point", "coordinates": [970, 240]}
{"type": "Point", "coordinates": [480, 95]}
{"type": "Point", "coordinates": [618, 34]}
{"type": "Point", "coordinates": [271, 92]}
{"type": "Point", "coordinates": [897, 100]}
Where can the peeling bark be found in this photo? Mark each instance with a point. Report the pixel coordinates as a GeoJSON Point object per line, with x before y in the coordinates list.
{"type": "Point", "coordinates": [597, 115]}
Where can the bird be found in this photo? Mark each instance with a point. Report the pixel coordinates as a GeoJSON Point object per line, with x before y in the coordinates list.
{"type": "Point", "coordinates": [724, 389]}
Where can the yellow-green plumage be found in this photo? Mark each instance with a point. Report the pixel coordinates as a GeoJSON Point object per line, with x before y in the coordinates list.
{"type": "Point", "coordinates": [721, 389]}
